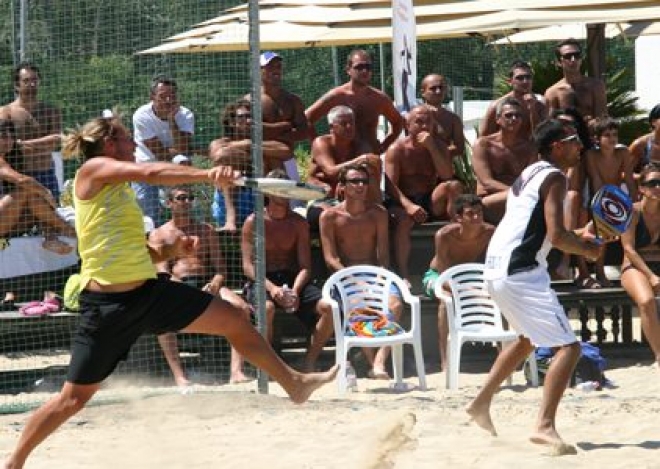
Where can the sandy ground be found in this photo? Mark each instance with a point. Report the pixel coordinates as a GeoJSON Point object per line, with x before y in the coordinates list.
{"type": "Point", "coordinates": [233, 427]}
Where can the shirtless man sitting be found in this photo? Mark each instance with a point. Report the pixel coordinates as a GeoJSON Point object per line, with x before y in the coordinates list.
{"type": "Point", "coordinates": [420, 166]}
{"type": "Point", "coordinates": [234, 149]}
{"type": "Point", "coordinates": [586, 94]}
{"type": "Point", "coordinates": [355, 232]}
{"type": "Point", "coordinates": [449, 125]}
{"type": "Point", "coordinates": [288, 262]}
{"type": "Point", "coordinates": [205, 269]}
{"type": "Point", "coordinates": [334, 151]}
{"type": "Point", "coordinates": [283, 113]}
{"type": "Point", "coordinates": [464, 240]}
{"type": "Point", "coordinates": [368, 105]}
{"type": "Point", "coordinates": [23, 200]}
{"type": "Point", "coordinates": [498, 159]}
{"type": "Point", "coordinates": [38, 126]}
{"type": "Point", "coordinates": [533, 110]}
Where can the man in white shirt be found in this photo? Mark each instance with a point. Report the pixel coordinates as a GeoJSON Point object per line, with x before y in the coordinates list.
{"type": "Point", "coordinates": [162, 130]}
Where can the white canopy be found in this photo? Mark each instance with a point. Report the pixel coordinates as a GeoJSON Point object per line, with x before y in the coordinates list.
{"type": "Point", "coordinates": [296, 24]}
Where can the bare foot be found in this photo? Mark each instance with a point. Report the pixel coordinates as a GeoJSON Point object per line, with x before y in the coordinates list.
{"type": "Point", "coordinates": [553, 441]}
{"type": "Point", "coordinates": [229, 228]}
{"type": "Point", "coordinates": [182, 382]}
{"type": "Point", "coordinates": [376, 373]}
{"type": "Point", "coordinates": [11, 463]}
{"type": "Point", "coordinates": [481, 416]}
{"type": "Point", "coordinates": [56, 246]}
{"type": "Point", "coordinates": [239, 378]}
{"type": "Point", "coordinates": [306, 384]}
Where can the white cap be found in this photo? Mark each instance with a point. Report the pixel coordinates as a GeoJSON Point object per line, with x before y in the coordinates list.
{"type": "Point", "coordinates": [267, 57]}
{"type": "Point", "coordinates": [181, 159]}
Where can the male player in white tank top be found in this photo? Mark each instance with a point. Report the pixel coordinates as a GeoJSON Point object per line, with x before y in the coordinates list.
{"type": "Point", "coordinates": [517, 278]}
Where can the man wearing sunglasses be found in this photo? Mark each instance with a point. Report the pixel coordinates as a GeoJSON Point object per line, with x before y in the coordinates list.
{"type": "Point", "coordinates": [586, 94]}
{"type": "Point", "coordinates": [355, 232]}
{"type": "Point", "coordinates": [517, 278]}
{"type": "Point", "coordinates": [204, 269]}
{"type": "Point", "coordinates": [533, 110]}
{"type": "Point", "coordinates": [367, 103]}
{"type": "Point", "coordinates": [499, 158]}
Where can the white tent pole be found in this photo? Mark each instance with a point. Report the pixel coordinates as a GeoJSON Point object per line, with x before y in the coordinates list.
{"type": "Point", "coordinates": [335, 65]}
{"type": "Point", "coordinates": [457, 94]}
{"type": "Point", "coordinates": [22, 30]}
{"type": "Point", "coordinates": [381, 60]}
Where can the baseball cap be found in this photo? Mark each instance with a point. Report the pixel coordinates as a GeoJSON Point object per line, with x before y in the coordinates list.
{"type": "Point", "coordinates": [181, 159]}
{"type": "Point", "coordinates": [266, 58]}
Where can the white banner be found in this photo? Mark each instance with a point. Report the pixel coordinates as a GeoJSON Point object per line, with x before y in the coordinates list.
{"type": "Point", "coordinates": [404, 54]}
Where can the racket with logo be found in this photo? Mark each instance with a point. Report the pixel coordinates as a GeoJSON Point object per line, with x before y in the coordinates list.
{"type": "Point", "coordinates": [612, 211]}
{"type": "Point", "coordinates": [283, 188]}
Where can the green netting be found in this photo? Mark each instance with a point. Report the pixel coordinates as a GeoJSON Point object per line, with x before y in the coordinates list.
{"type": "Point", "coordinates": [86, 51]}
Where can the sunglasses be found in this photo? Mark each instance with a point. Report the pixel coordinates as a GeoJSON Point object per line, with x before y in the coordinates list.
{"type": "Point", "coordinates": [572, 56]}
{"type": "Point", "coordinates": [526, 77]}
{"type": "Point", "coordinates": [653, 183]}
{"type": "Point", "coordinates": [512, 115]}
{"type": "Point", "coordinates": [357, 181]}
{"type": "Point", "coordinates": [362, 67]}
{"type": "Point", "coordinates": [184, 198]}
{"type": "Point", "coordinates": [570, 139]}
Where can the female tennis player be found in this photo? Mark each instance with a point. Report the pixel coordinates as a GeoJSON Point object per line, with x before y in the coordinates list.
{"type": "Point", "coordinates": [122, 297]}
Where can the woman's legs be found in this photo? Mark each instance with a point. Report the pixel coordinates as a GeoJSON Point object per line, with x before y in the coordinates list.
{"type": "Point", "coordinates": [221, 318]}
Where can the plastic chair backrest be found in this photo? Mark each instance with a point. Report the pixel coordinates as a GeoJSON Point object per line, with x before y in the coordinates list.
{"type": "Point", "coordinates": [472, 304]}
{"type": "Point", "coordinates": [361, 286]}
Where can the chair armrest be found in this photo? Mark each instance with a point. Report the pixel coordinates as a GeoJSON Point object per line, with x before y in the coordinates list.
{"type": "Point", "coordinates": [336, 314]}
{"type": "Point", "coordinates": [415, 312]}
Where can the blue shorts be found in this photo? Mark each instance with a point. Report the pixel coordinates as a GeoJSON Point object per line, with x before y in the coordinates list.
{"type": "Point", "coordinates": [243, 201]}
{"type": "Point", "coordinates": [148, 198]}
{"type": "Point", "coordinates": [48, 179]}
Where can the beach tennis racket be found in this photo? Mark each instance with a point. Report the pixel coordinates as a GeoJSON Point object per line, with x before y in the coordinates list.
{"type": "Point", "coordinates": [612, 211]}
{"type": "Point", "coordinates": [283, 188]}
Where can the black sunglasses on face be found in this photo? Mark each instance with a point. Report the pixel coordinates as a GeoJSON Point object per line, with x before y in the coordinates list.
{"type": "Point", "coordinates": [572, 56]}
{"type": "Point", "coordinates": [363, 66]}
{"type": "Point", "coordinates": [184, 198]}
{"type": "Point", "coordinates": [570, 138]}
{"type": "Point", "coordinates": [357, 181]}
{"type": "Point", "coordinates": [652, 183]}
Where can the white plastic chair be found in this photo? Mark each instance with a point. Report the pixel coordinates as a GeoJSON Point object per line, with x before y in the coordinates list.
{"type": "Point", "coordinates": [472, 316]}
{"type": "Point", "coordinates": [369, 286]}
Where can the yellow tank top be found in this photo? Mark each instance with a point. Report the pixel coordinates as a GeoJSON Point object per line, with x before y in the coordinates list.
{"type": "Point", "coordinates": [111, 238]}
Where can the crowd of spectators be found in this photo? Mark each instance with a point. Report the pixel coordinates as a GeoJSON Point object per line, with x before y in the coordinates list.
{"type": "Point", "coordinates": [376, 188]}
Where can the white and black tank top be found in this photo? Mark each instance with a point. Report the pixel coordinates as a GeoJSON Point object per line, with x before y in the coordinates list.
{"type": "Point", "coordinates": [520, 240]}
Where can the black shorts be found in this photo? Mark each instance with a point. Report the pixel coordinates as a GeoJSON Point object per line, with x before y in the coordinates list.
{"type": "Point", "coordinates": [110, 323]}
{"type": "Point", "coordinates": [423, 200]}
{"type": "Point", "coordinates": [309, 296]}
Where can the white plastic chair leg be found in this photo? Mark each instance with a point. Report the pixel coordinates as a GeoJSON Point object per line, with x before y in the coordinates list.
{"type": "Point", "coordinates": [341, 355]}
{"type": "Point", "coordinates": [397, 363]}
{"type": "Point", "coordinates": [454, 364]}
{"type": "Point", "coordinates": [419, 363]}
{"type": "Point", "coordinates": [533, 369]}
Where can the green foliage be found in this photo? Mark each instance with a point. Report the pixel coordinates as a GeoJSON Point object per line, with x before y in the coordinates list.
{"type": "Point", "coordinates": [622, 105]}
{"type": "Point", "coordinates": [303, 160]}
{"type": "Point", "coordinates": [464, 171]}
